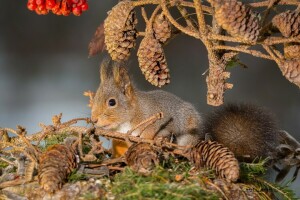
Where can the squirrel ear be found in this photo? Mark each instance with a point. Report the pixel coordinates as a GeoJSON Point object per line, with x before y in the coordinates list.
{"type": "Point", "coordinates": [122, 79]}
{"type": "Point", "coordinates": [104, 69]}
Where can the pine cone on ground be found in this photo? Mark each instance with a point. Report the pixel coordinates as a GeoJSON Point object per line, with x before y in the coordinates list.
{"type": "Point", "coordinates": [142, 158]}
{"type": "Point", "coordinates": [288, 23]}
{"type": "Point", "coordinates": [119, 30]}
{"type": "Point", "coordinates": [237, 19]}
{"type": "Point", "coordinates": [291, 70]}
{"type": "Point", "coordinates": [161, 28]}
{"type": "Point", "coordinates": [152, 61]}
{"type": "Point", "coordinates": [215, 156]}
{"type": "Point", "coordinates": [55, 165]}
{"type": "Point", "coordinates": [291, 51]}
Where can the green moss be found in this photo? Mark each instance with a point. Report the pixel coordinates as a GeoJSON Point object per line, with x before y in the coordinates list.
{"type": "Point", "coordinates": [3, 164]}
{"type": "Point", "coordinates": [74, 176]}
{"type": "Point", "coordinates": [161, 184]}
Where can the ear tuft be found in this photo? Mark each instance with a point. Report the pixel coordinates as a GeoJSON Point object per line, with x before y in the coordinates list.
{"type": "Point", "coordinates": [104, 69]}
{"type": "Point", "coordinates": [122, 79]}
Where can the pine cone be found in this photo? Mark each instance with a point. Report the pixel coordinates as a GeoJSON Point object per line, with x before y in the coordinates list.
{"type": "Point", "coordinates": [142, 158]}
{"type": "Point", "coordinates": [152, 61]}
{"type": "Point", "coordinates": [161, 28]}
{"type": "Point", "coordinates": [55, 164]}
{"type": "Point", "coordinates": [288, 23]}
{"type": "Point", "coordinates": [292, 51]}
{"type": "Point", "coordinates": [216, 156]}
{"type": "Point", "coordinates": [291, 70]}
{"type": "Point", "coordinates": [237, 19]}
{"type": "Point", "coordinates": [119, 30]}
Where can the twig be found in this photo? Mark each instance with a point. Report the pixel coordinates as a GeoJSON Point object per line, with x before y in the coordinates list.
{"type": "Point", "coordinates": [17, 148]}
{"type": "Point", "coordinates": [282, 2]}
{"type": "Point", "coordinates": [144, 14]}
{"type": "Point", "coordinates": [8, 161]}
{"type": "Point", "coordinates": [147, 122]}
{"type": "Point", "coordinates": [116, 168]}
{"type": "Point", "coordinates": [141, 34]}
{"type": "Point", "coordinates": [112, 161]}
{"type": "Point", "coordinates": [252, 52]}
{"type": "Point", "coordinates": [267, 48]}
{"type": "Point", "coordinates": [172, 2]}
{"type": "Point", "coordinates": [91, 96]}
{"type": "Point", "coordinates": [185, 30]}
{"type": "Point", "coordinates": [215, 79]}
{"type": "Point", "coordinates": [80, 145]}
{"type": "Point", "coordinates": [267, 11]}
{"type": "Point", "coordinates": [213, 36]}
{"type": "Point", "coordinates": [278, 40]}
{"type": "Point", "coordinates": [187, 19]}
{"type": "Point", "coordinates": [13, 183]}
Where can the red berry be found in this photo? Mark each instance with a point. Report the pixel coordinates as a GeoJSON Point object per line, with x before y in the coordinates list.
{"type": "Point", "coordinates": [84, 7]}
{"type": "Point", "coordinates": [66, 12]}
{"type": "Point", "coordinates": [75, 1]}
{"type": "Point", "coordinates": [50, 4]}
{"type": "Point", "coordinates": [40, 2]}
{"type": "Point", "coordinates": [42, 7]}
{"type": "Point", "coordinates": [56, 8]}
{"type": "Point", "coordinates": [77, 11]}
{"type": "Point", "coordinates": [31, 6]}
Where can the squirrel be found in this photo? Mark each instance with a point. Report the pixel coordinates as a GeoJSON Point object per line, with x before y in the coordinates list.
{"type": "Point", "coordinates": [249, 131]}
{"type": "Point", "coordinates": [119, 105]}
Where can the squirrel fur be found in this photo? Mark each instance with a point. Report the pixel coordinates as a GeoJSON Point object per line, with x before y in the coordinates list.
{"type": "Point", "coordinates": [247, 130]}
{"type": "Point", "coordinates": [120, 106]}
{"type": "Point", "coordinates": [251, 133]}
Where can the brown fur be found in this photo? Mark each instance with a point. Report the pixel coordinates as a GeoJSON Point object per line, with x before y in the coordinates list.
{"type": "Point", "coordinates": [249, 131]}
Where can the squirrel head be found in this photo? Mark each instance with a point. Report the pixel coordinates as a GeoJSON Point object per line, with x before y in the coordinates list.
{"type": "Point", "coordinates": [114, 102]}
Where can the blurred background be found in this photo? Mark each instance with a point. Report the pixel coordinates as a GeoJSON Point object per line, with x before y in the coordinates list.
{"type": "Point", "coordinates": [44, 69]}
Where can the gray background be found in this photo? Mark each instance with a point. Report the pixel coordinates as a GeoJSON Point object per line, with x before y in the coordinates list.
{"type": "Point", "coordinates": [44, 69]}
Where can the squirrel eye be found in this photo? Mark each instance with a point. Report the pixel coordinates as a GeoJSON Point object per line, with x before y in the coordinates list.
{"type": "Point", "coordinates": [112, 102]}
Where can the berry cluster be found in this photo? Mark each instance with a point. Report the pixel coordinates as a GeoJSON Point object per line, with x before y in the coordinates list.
{"type": "Point", "coordinates": [58, 7]}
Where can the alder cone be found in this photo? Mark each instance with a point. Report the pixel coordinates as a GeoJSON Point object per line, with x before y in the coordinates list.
{"type": "Point", "coordinates": [292, 50]}
{"type": "Point", "coordinates": [119, 30]}
{"type": "Point", "coordinates": [288, 23]}
{"type": "Point", "coordinates": [161, 28]}
{"type": "Point", "coordinates": [142, 158]}
{"type": "Point", "coordinates": [237, 19]}
{"type": "Point", "coordinates": [217, 157]}
{"type": "Point", "coordinates": [152, 61]}
{"type": "Point", "coordinates": [55, 165]}
{"type": "Point", "coordinates": [291, 70]}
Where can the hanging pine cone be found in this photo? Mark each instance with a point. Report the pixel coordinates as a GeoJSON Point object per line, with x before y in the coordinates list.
{"type": "Point", "coordinates": [119, 30]}
{"type": "Point", "coordinates": [142, 158]}
{"type": "Point", "coordinates": [292, 51]}
{"type": "Point", "coordinates": [55, 164]}
{"type": "Point", "coordinates": [152, 61]}
{"type": "Point", "coordinates": [237, 19]}
{"type": "Point", "coordinates": [291, 70]}
{"type": "Point", "coordinates": [161, 28]}
{"type": "Point", "coordinates": [216, 156]}
{"type": "Point", "coordinates": [288, 23]}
